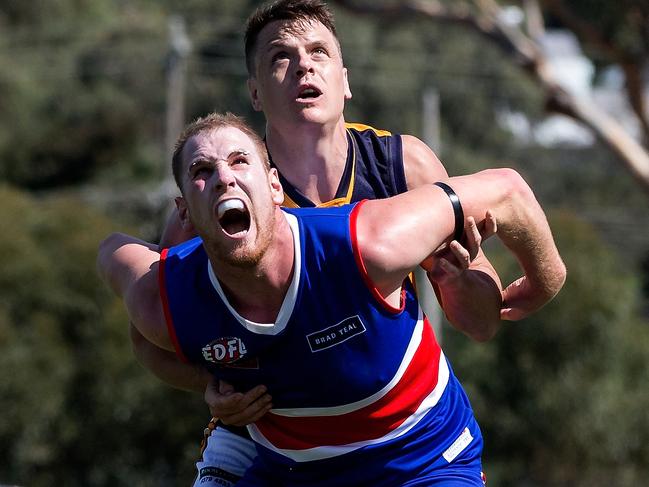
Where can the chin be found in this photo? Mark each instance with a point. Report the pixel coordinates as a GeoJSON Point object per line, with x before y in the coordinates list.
{"type": "Point", "coordinates": [312, 114]}
{"type": "Point", "coordinates": [242, 255]}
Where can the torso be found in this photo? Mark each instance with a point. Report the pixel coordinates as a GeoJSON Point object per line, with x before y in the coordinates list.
{"type": "Point", "coordinates": [349, 375]}
{"type": "Point", "coordinates": [341, 404]}
{"type": "Point", "coordinates": [373, 169]}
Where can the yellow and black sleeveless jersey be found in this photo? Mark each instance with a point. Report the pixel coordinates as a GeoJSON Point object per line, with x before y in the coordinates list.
{"type": "Point", "coordinates": [374, 169]}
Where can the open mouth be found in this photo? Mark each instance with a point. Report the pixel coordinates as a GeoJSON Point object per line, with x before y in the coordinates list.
{"type": "Point", "coordinates": [233, 216]}
{"type": "Point", "coordinates": [308, 93]}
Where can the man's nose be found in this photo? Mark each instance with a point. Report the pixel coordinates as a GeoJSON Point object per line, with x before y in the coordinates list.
{"type": "Point", "coordinates": [224, 177]}
{"type": "Point", "coordinates": [304, 65]}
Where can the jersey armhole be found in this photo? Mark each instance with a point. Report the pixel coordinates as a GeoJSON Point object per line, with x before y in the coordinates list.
{"type": "Point", "coordinates": [171, 329]}
{"type": "Point", "coordinates": [361, 265]}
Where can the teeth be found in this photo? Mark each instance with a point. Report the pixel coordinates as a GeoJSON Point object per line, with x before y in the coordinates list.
{"type": "Point", "coordinates": [226, 205]}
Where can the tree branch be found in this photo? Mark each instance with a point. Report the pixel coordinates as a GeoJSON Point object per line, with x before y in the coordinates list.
{"type": "Point", "coordinates": [630, 64]}
{"type": "Point", "coordinates": [526, 54]}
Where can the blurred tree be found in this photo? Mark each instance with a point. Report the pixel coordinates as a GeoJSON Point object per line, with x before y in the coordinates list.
{"type": "Point", "coordinates": [616, 30]}
{"type": "Point", "coordinates": [73, 91]}
{"type": "Point", "coordinates": [77, 409]}
{"type": "Point", "coordinates": [82, 101]}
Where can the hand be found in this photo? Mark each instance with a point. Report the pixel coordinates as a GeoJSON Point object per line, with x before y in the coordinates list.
{"type": "Point", "coordinates": [524, 296]}
{"type": "Point", "coordinates": [236, 408]}
{"type": "Point", "coordinates": [449, 263]}
{"type": "Point", "coordinates": [518, 300]}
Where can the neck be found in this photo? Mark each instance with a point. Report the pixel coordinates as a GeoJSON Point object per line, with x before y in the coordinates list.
{"type": "Point", "coordinates": [257, 292]}
{"type": "Point", "coordinates": [312, 157]}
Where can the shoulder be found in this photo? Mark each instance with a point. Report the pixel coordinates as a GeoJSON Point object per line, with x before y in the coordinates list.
{"type": "Point", "coordinates": [321, 223]}
{"type": "Point", "coordinates": [184, 250]}
{"type": "Point", "coordinates": [420, 163]}
{"type": "Point", "coordinates": [363, 128]}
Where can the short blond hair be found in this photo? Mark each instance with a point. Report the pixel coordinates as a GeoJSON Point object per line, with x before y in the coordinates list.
{"type": "Point", "coordinates": [208, 123]}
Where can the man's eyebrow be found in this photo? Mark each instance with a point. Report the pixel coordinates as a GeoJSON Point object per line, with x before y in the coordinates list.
{"type": "Point", "coordinates": [201, 159]}
{"type": "Point", "coordinates": [275, 44]}
{"type": "Point", "coordinates": [239, 152]}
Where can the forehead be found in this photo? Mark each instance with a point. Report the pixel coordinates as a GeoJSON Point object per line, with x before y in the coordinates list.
{"type": "Point", "coordinates": [218, 144]}
{"type": "Point", "coordinates": [288, 31]}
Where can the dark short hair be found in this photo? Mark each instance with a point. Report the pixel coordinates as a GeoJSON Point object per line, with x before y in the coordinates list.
{"type": "Point", "coordinates": [208, 123]}
{"type": "Point", "coordinates": [293, 10]}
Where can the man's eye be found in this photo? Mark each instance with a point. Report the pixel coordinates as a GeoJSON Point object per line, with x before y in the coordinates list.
{"type": "Point", "coordinates": [202, 172]}
{"type": "Point", "coordinates": [279, 56]}
{"type": "Point", "coordinates": [239, 160]}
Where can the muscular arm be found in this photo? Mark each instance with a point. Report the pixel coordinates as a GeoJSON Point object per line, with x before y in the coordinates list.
{"type": "Point", "coordinates": [164, 364]}
{"type": "Point", "coordinates": [231, 407]}
{"type": "Point", "coordinates": [422, 220]}
{"type": "Point", "coordinates": [467, 285]}
{"type": "Point", "coordinates": [130, 267]}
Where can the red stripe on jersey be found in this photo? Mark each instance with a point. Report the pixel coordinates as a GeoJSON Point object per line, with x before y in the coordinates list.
{"type": "Point", "coordinates": [171, 329]}
{"type": "Point", "coordinates": [353, 216]}
{"type": "Point", "coordinates": [370, 422]}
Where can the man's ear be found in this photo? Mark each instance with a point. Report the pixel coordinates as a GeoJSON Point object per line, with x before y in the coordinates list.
{"type": "Point", "coordinates": [183, 214]}
{"type": "Point", "coordinates": [348, 91]}
{"type": "Point", "coordinates": [254, 95]}
{"type": "Point", "coordinates": [277, 192]}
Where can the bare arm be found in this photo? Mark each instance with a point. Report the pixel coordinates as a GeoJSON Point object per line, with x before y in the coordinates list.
{"type": "Point", "coordinates": [467, 285]}
{"type": "Point", "coordinates": [231, 407]}
{"type": "Point", "coordinates": [166, 365]}
{"type": "Point", "coordinates": [397, 233]}
{"type": "Point", "coordinates": [130, 267]}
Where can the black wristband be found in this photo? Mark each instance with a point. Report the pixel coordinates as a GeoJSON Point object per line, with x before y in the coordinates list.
{"type": "Point", "coordinates": [457, 210]}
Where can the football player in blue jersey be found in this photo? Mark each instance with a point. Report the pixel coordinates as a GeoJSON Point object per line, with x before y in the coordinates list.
{"type": "Point", "coordinates": [371, 404]}
{"type": "Point", "coordinates": [298, 79]}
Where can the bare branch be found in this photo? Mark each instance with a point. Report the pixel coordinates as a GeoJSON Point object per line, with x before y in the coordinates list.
{"type": "Point", "coordinates": [630, 64]}
{"type": "Point", "coordinates": [484, 19]}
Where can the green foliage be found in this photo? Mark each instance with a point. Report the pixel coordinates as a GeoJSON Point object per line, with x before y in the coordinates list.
{"type": "Point", "coordinates": [73, 92]}
{"type": "Point", "coordinates": [561, 396]}
{"type": "Point", "coordinates": [77, 409]}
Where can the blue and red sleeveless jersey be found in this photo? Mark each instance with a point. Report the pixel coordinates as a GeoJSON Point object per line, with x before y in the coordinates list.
{"type": "Point", "coordinates": [354, 381]}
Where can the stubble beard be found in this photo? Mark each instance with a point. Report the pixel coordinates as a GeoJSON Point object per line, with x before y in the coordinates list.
{"type": "Point", "coordinates": [246, 255]}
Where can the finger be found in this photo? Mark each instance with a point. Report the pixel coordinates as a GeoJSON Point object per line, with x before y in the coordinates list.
{"type": "Point", "coordinates": [213, 391]}
{"type": "Point", "coordinates": [447, 269]}
{"type": "Point", "coordinates": [461, 254]}
{"type": "Point", "coordinates": [490, 225]}
{"type": "Point", "coordinates": [263, 411]}
{"type": "Point", "coordinates": [513, 314]}
{"type": "Point", "coordinates": [236, 402]}
{"type": "Point", "coordinates": [473, 237]}
{"type": "Point", "coordinates": [225, 388]}
{"type": "Point", "coordinates": [221, 405]}
{"type": "Point", "coordinates": [251, 413]}
{"type": "Point", "coordinates": [519, 300]}
{"type": "Point", "coordinates": [253, 395]}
